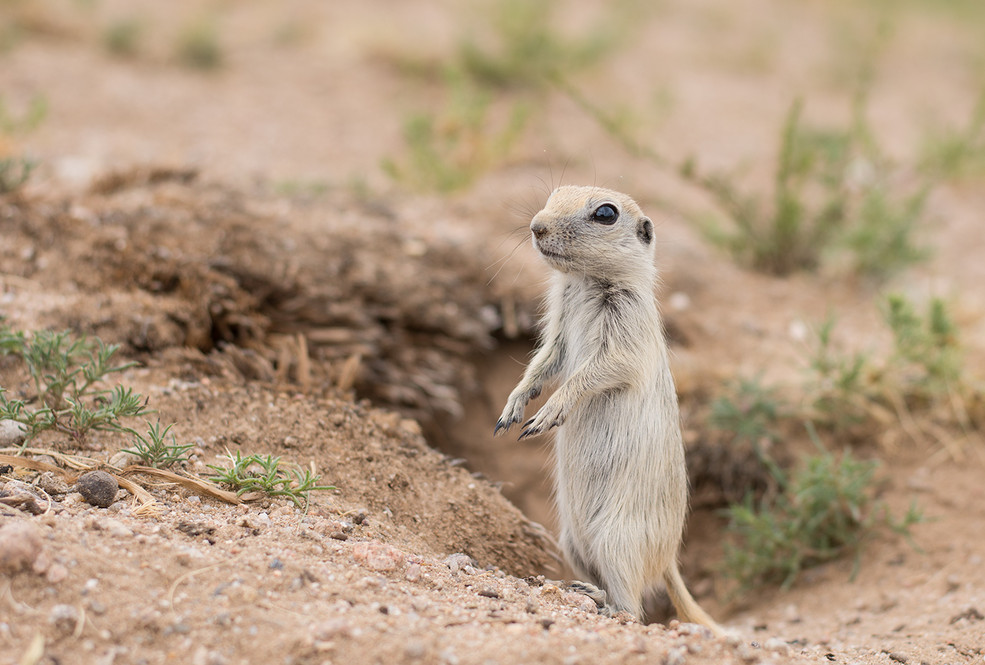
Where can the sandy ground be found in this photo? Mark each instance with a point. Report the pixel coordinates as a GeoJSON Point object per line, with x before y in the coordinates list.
{"type": "Point", "coordinates": [234, 231]}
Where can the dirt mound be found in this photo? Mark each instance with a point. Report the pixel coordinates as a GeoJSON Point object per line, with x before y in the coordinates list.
{"type": "Point", "coordinates": [170, 263]}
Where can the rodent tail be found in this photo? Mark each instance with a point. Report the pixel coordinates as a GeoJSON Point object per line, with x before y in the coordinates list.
{"type": "Point", "coordinates": [687, 607]}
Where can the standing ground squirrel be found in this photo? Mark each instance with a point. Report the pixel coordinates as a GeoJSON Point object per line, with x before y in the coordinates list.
{"type": "Point", "coordinates": [621, 482]}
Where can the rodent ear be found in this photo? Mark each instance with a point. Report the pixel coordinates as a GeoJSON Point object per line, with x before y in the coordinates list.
{"type": "Point", "coordinates": [644, 231]}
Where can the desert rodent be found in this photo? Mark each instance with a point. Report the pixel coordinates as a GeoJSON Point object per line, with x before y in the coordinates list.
{"type": "Point", "coordinates": [621, 483]}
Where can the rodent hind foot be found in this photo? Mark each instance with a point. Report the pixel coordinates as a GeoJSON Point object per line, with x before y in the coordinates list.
{"type": "Point", "coordinates": [592, 591]}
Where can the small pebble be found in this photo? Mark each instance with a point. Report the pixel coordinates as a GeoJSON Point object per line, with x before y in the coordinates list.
{"type": "Point", "coordinates": [378, 556]}
{"type": "Point", "coordinates": [115, 528]}
{"type": "Point", "coordinates": [457, 562]}
{"type": "Point", "coordinates": [20, 545]}
{"type": "Point", "coordinates": [326, 630]}
{"type": "Point", "coordinates": [415, 650]}
{"type": "Point", "coordinates": [12, 433]}
{"type": "Point", "coordinates": [41, 563]}
{"type": "Point", "coordinates": [56, 573]}
{"type": "Point", "coordinates": [122, 460]}
{"type": "Point", "coordinates": [20, 495]}
{"type": "Point", "coordinates": [64, 618]}
{"type": "Point", "coordinates": [52, 484]}
{"type": "Point", "coordinates": [777, 645]}
{"type": "Point", "coordinates": [550, 592]}
{"type": "Point", "coordinates": [676, 656]}
{"type": "Point", "coordinates": [98, 488]}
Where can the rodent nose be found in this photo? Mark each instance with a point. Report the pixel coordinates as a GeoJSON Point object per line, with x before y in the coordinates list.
{"type": "Point", "coordinates": [539, 229]}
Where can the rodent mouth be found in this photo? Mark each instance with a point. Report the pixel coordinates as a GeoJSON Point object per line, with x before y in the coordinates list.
{"type": "Point", "coordinates": [551, 255]}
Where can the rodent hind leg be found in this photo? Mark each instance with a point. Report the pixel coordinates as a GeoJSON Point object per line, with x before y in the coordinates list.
{"type": "Point", "coordinates": [611, 595]}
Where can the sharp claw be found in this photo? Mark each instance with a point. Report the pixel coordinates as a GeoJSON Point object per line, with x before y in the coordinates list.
{"type": "Point", "coordinates": [529, 431]}
{"type": "Point", "coordinates": [499, 425]}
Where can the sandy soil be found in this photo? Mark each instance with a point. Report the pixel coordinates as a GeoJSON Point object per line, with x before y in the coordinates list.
{"type": "Point", "coordinates": [234, 231]}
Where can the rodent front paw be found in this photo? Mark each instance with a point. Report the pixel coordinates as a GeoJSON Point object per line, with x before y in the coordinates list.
{"type": "Point", "coordinates": [548, 417]}
{"type": "Point", "coordinates": [513, 413]}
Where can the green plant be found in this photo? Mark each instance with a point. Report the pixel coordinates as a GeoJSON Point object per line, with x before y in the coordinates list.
{"type": "Point", "coordinates": [880, 236]}
{"type": "Point", "coordinates": [829, 194]}
{"type": "Point", "coordinates": [300, 188]}
{"type": "Point", "coordinates": [840, 385]}
{"type": "Point", "coordinates": [749, 412]}
{"type": "Point", "coordinates": [155, 451]}
{"type": "Point", "coordinates": [954, 153]}
{"type": "Point", "coordinates": [449, 150]}
{"type": "Point", "coordinates": [824, 510]}
{"type": "Point", "coordinates": [11, 123]}
{"type": "Point", "coordinates": [198, 45]}
{"type": "Point", "coordinates": [263, 473]}
{"type": "Point", "coordinates": [927, 352]}
{"type": "Point", "coordinates": [122, 37]}
{"type": "Point", "coordinates": [65, 371]}
{"type": "Point", "coordinates": [14, 172]}
{"type": "Point", "coordinates": [830, 198]}
{"type": "Point", "coordinates": [526, 50]}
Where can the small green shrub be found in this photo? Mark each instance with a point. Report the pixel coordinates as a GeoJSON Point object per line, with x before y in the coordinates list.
{"type": "Point", "coordinates": [526, 50]}
{"type": "Point", "coordinates": [14, 172]}
{"type": "Point", "coordinates": [927, 353]}
{"type": "Point", "coordinates": [825, 510]}
{"type": "Point", "coordinates": [748, 412]}
{"type": "Point", "coordinates": [829, 196]}
{"type": "Point", "coordinates": [857, 396]}
{"type": "Point", "coordinates": [956, 153]}
{"type": "Point", "coordinates": [263, 473]}
{"type": "Point", "coordinates": [65, 371]}
{"type": "Point", "coordinates": [839, 386]}
{"type": "Point", "coordinates": [122, 38]}
{"type": "Point", "coordinates": [155, 451]}
{"type": "Point", "coordinates": [198, 45]}
{"type": "Point", "coordinates": [12, 123]}
{"type": "Point", "coordinates": [449, 150]}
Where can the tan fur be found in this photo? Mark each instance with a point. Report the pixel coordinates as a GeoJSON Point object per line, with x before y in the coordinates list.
{"type": "Point", "coordinates": [621, 483]}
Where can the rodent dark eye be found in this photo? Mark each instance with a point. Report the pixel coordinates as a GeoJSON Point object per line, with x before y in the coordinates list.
{"type": "Point", "coordinates": [605, 214]}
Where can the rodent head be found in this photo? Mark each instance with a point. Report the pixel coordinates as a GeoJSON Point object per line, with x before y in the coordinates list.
{"type": "Point", "coordinates": [594, 231]}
